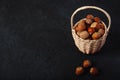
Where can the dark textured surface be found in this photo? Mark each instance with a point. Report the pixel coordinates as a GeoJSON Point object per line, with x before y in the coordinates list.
{"type": "Point", "coordinates": [36, 41]}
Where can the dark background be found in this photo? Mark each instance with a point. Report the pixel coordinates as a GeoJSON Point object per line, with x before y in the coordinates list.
{"type": "Point", "coordinates": [36, 41]}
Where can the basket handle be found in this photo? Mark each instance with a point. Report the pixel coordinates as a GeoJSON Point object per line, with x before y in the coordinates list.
{"type": "Point", "coordinates": [92, 7]}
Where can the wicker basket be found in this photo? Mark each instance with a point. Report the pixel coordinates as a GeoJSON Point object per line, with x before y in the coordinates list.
{"type": "Point", "coordinates": [90, 46]}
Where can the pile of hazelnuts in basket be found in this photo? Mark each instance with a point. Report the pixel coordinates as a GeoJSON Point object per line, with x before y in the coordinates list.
{"type": "Point", "coordinates": [88, 67]}
{"type": "Point", "coordinates": [90, 28]}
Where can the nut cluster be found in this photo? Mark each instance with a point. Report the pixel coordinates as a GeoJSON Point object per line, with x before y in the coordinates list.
{"type": "Point", "coordinates": [90, 28]}
{"type": "Point", "coordinates": [86, 65]}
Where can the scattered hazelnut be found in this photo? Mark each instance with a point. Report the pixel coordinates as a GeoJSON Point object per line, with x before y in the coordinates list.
{"type": "Point", "coordinates": [91, 30]}
{"type": "Point", "coordinates": [89, 21]}
{"type": "Point", "coordinates": [97, 19]}
{"type": "Point", "coordinates": [86, 63]}
{"type": "Point", "coordinates": [101, 31]}
{"type": "Point", "coordinates": [94, 24]}
{"type": "Point", "coordinates": [79, 70]}
{"type": "Point", "coordinates": [93, 71]}
{"type": "Point", "coordinates": [83, 34]}
{"type": "Point", "coordinates": [89, 16]}
{"type": "Point", "coordinates": [96, 35]}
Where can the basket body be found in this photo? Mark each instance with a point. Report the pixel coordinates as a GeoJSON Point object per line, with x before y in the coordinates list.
{"type": "Point", "coordinates": [89, 46]}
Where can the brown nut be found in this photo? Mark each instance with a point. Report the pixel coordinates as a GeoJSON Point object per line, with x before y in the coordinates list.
{"type": "Point", "coordinates": [93, 71]}
{"type": "Point", "coordinates": [99, 26]}
{"type": "Point", "coordinates": [97, 19]}
{"type": "Point", "coordinates": [91, 30]}
{"type": "Point", "coordinates": [86, 63]}
{"type": "Point", "coordinates": [77, 29]}
{"type": "Point", "coordinates": [83, 34]}
{"type": "Point", "coordinates": [101, 31]}
{"type": "Point", "coordinates": [89, 16]}
{"type": "Point", "coordinates": [81, 25]}
{"type": "Point", "coordinates": [79, 70]}
{"type": "Point", "coordinates": [94, 24]}
{"type": "Point", "coordinates": [96, 35]}
{"type": "Point", "coordinates": [89, 21]}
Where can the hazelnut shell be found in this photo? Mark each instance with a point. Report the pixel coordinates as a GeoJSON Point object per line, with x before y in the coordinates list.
{"type": "Point", "coordinates": [99, 26]}
{"type": "Point", "coordinates": [79, 70]}
{"type": "Point", "coordinates": [89, 21]}
{"type": "Point", "coordinates": [94, 24]}
{"type": "Point", "coordinates": [91, 30]}
{"type": "Point", "coordinates": [86, 63]}
{"type": "Point", "coordinates": [93, 71]}
{"type": "Point", "coordinates": [81, 26]}
{"type": "Point", "coordinates": [83, 34]}
{"type": "Point", "coordinates": [96, 19]}
{"type": "Point", "coordinates": [89, 16]}
{"type": "Point", "coordinates": [96, 35]}
{"type": "Point", "coordinates": [101, 31]}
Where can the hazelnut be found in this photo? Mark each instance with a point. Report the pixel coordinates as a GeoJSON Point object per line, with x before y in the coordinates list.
{"type": "Point", "coordinates": [89, 16]}
{"type": "Point", "coordinates": [79, 70]}
{"type": "Point", "coordinates": [91, 30]}
{"type": "Point", "coordinates": [97, 19]}
{"type": "Point", "coordinates": [93, 71]}
{"type": "Point", "coordinates": [94, 24]}
{"type": "Point", "coordinates": [81, 26]}
{"type": "Point", "coordinates": [101, 31]}
{"type": "Point", "coordinates": [89, 21]}
{"type": "Point", "coordinates": [77, 29]}
{"type": "Point", "coordinates": [99, 26]}
{"type": "Point", "coordinates": [83, 34]}
{"type": "Point", "coordinates": [86, 63]}
{"type": "Point", "coordinates": [96, 35]}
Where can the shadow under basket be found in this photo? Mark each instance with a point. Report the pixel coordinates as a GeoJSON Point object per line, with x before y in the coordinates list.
{"type": "Point", "coordinates": [90, 46]}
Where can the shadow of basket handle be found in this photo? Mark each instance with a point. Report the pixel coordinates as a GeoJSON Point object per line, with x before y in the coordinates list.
{"type": "Point", "coordinates": [92, 7]}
